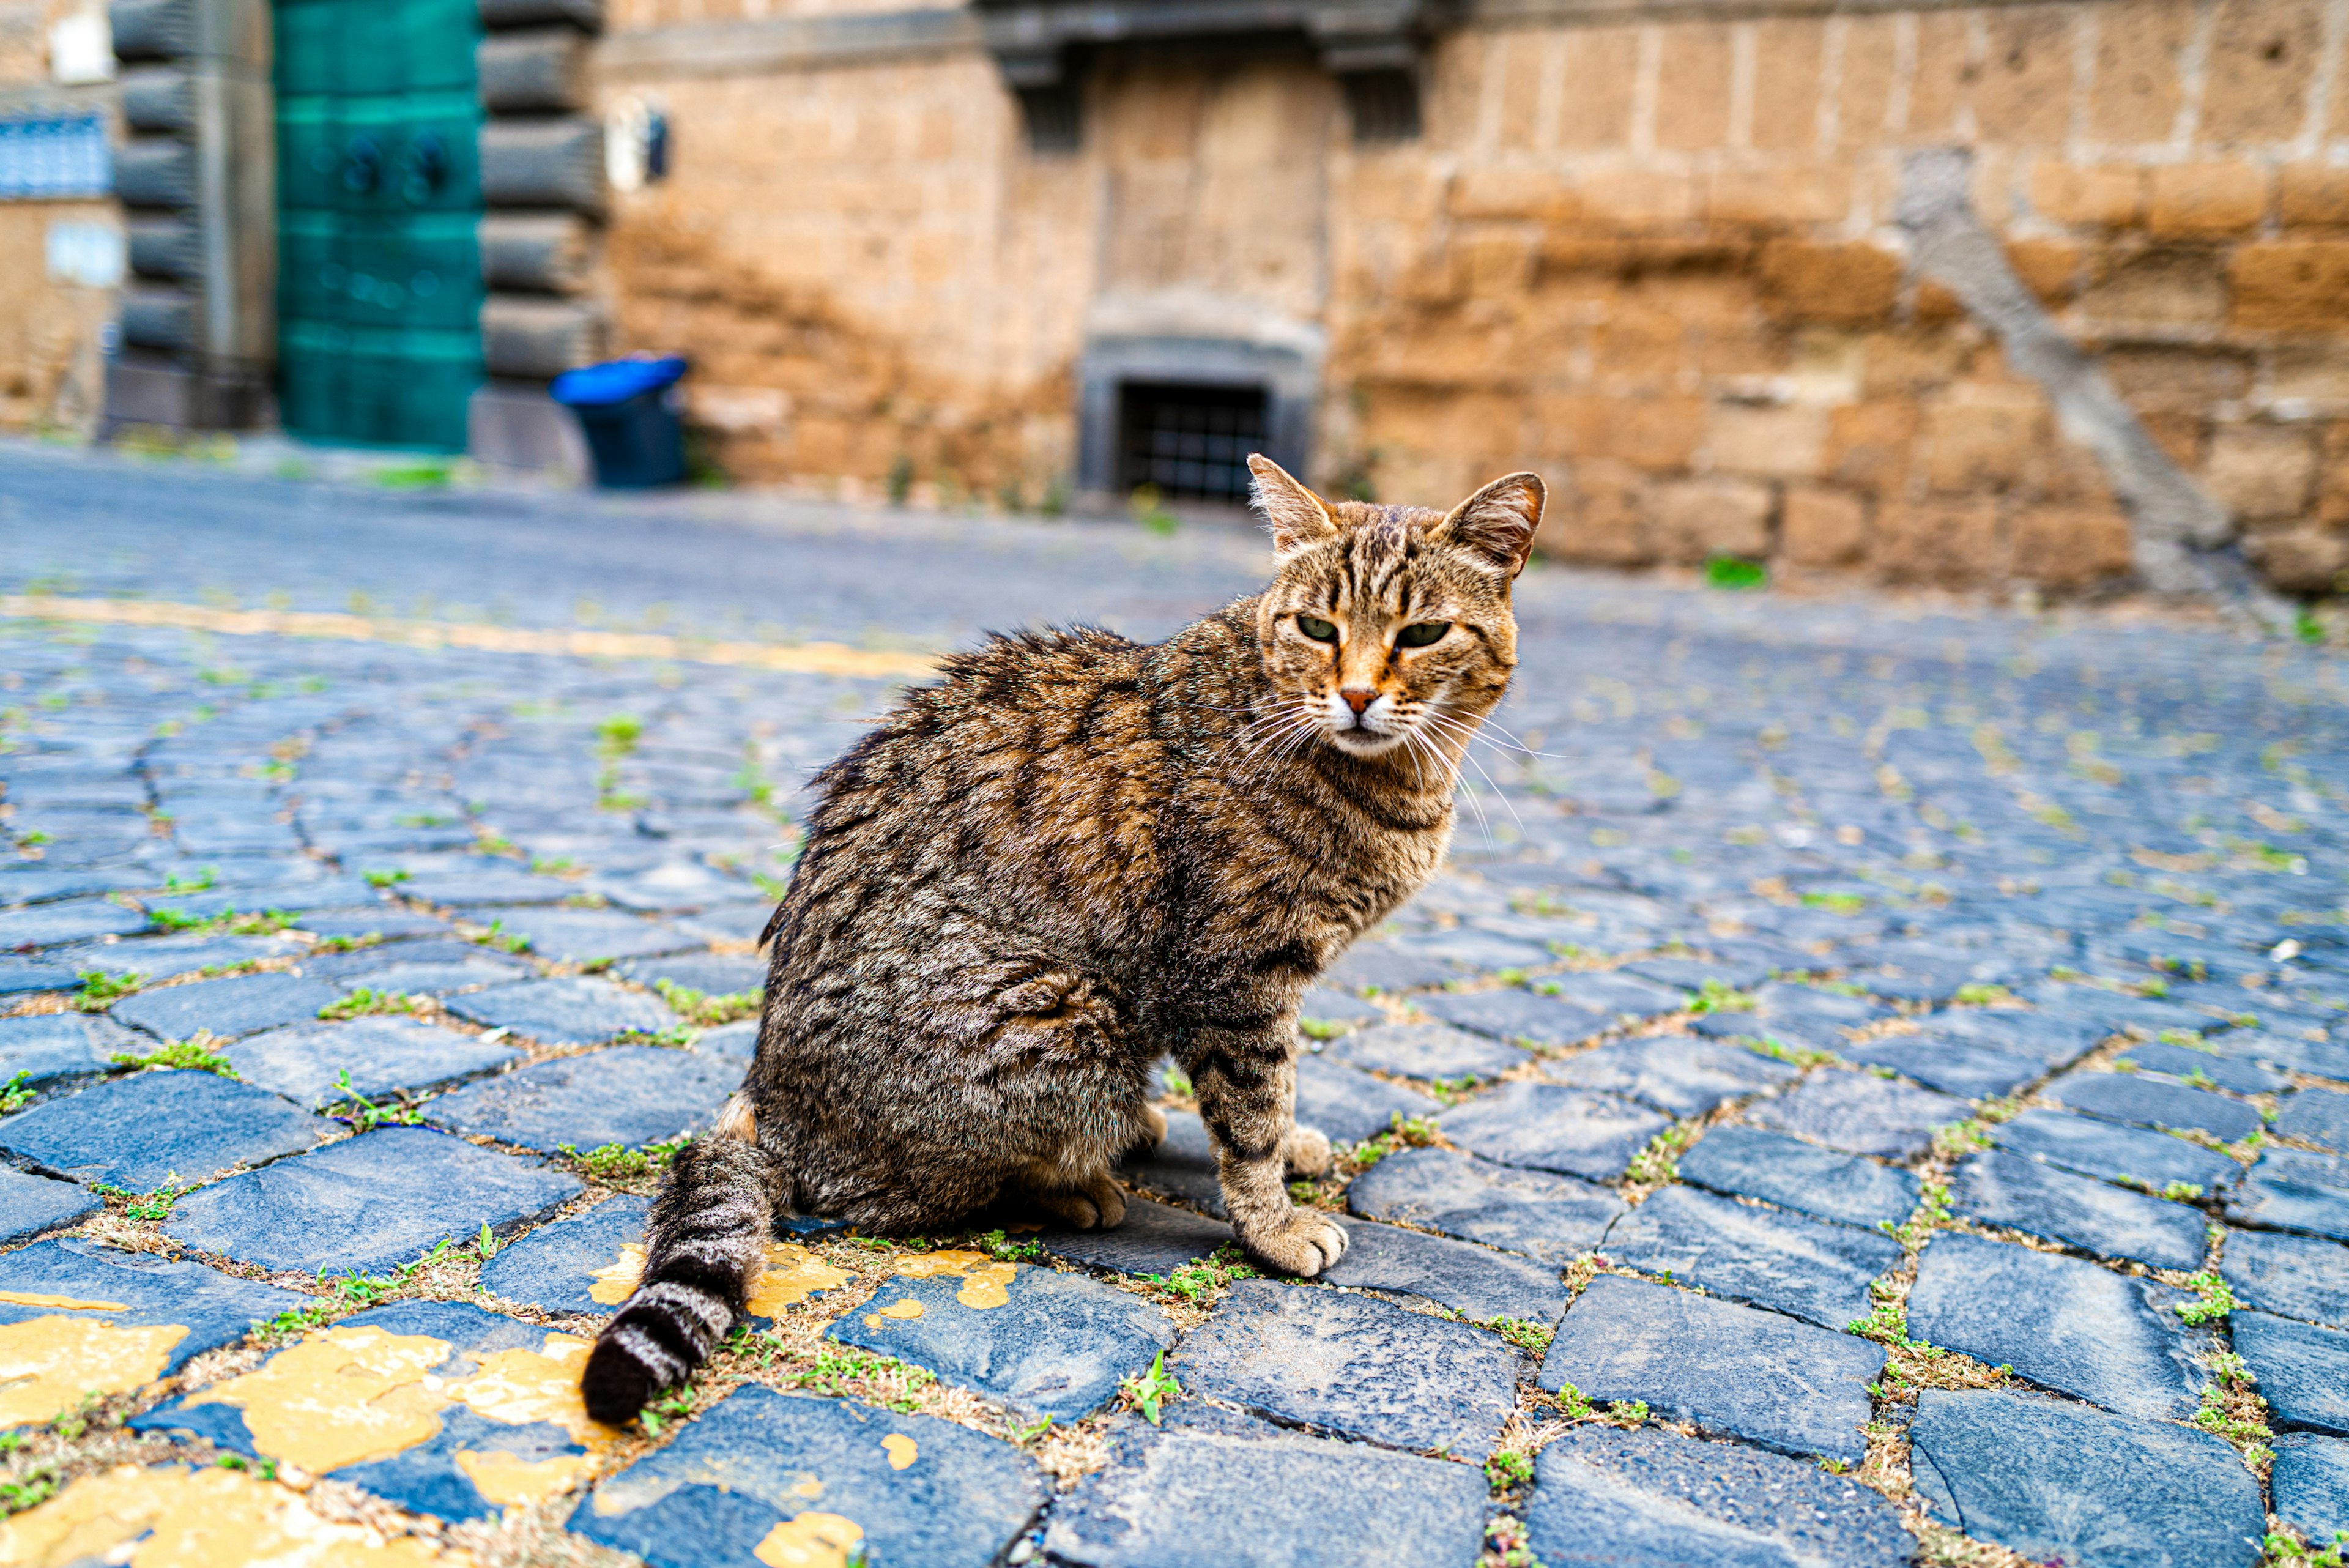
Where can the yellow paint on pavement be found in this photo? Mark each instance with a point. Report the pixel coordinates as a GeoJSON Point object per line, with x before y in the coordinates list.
{"type": "Point", "coordinates": [48, 1363]}
{"type": "Point", "coordinates": [811, 1541]}
{"type": "Point", "coordinates": [985, 1281]}
{"type": "Point", "coordinates": [341, 1396]}
{"type": "Point", "coordinates": [903, 1450]}
{"type": "Point", "coordinates": [169, 1517]}
{"type": "Point", "coordinates": [793, 1274]}
{"type": "Point", "coordinates": [504, 1478]}
{"type": "Point", "coordinates": [65, 1303]}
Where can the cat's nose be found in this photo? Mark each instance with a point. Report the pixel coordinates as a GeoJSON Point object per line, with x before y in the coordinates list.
{"type": "Point", "coordinates": [1358, 698]}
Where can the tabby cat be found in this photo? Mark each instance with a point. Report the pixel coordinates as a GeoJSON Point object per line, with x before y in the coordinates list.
{"type": "Point", "coordinates": [1069, 857]}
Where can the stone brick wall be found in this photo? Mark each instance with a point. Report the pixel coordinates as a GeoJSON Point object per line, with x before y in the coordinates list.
{"type": "Point", "coordinates": [52, 377]}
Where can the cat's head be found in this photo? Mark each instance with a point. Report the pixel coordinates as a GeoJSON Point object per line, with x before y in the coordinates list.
{"type": "Point", "coordinates": [1387, 623]}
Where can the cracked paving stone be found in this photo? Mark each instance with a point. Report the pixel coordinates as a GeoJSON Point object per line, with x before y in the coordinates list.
{"type": "Point", "coordinates": [1614, 998]}
{"type": "Point", "coordinates": [1467, 1278]}
{"type": "Point", "coordinates": [760, 1474]}
{"type": "Point", "coordinates": [1746, 1162]}
{"type": "Point", "coordinates": [2079, 1211]}
{"type": "Point", "coordinates": [1805, 1268]}
{"type": "Point", "coordinates": [1353, 1365]}
{"type": "Point", "coordinates": [1425, 1051]}
{"type": "Point", "coordinates": [1350, 1106]}
{"type": "Point", "coordinates": [2131, 1156]}
{"type": "Point", "coordinates": [56, 1047]}
{"type": "Point", "coordinates": [1324, 1005]}
{"type": "Point", "coordinates": [383, 1056]}
{"type": "Point", "coordinates": [78, 1317]}
{"type": "Point", "coordinates": [1521, 1017]}
{"type": "Point", "coordinates": [629, 1095]}
{"type": "Point", "coordinates": [1860, 1114]}
{"type": "Point", "coordinates": [585, 935]}
{"type": "Point", "coordinates": [2292, 1190]}
{"type": "Point", "coordinates": [368, 1204]}
{"type": "Point", "coordinates": [2310, 1480]}
{"type": "Point", "coordinates": [2183, 1062]}
{"type": "Point", "coordinates": [1653, 1498]}
{"type": "Point", "coordinates": [1553, 1218]}
{"type": "Point", "coordinates": [1214, 1488]}
{"type": "Point", "coordinates": [245, 1005]}
{"type": "Point", "coordinates": [2303, 1371]}
{"type": "Point", "coordinates": [46, 925]}
{"type": "Point", "coordinates": [1673, 1073]}
{"type": "Point", "coordinates": [156, 1129]}
{"type": "Point", "coordinates": [2062, 1482]}
{"type": "Point", "coordinates": [1969, 1072]}
{"type": "Point", "coordinates": [387, 1400]}
{"type": "Point", "coordinates": [2135, 1100]}
{"type": "Point", "coordinates": [557, 1267]}
{"type": "Point", "coordinates": [2061, 1323]}
{"type": "Point", "coordinates": [2297, 1276]}
{"type": "Point", "coordinates": [2320, 1116]}
{"type": "Point", "coordinates": [1547, 1126]}
{"type": "Point", "coordinates": [712, 974]}
{"type": "Point", "coordinates": [577, 1010]}
{"type": "Point", "coordinates": [1183, 1165]}
{"type": "Point", "coordinates": [1154, 1238]}
{"type": "Point", "coordinates": [32, 1204]}
{"type": "Point", "coordinates": [1738, 1371]}
{"type": "Point", "coordinates": [1044, 1343]}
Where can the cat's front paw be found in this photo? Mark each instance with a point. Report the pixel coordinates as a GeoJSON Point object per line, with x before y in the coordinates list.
{"type": "Point", "coordinates": [1306, 1151]}
{"type": "Point", "coordinates": [1303, 1244]}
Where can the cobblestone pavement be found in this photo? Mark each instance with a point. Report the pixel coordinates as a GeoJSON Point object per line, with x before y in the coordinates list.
{"type": "Point", "coordinates": [1872, 1085]}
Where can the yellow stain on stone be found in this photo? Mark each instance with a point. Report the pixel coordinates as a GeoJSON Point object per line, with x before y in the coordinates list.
{"type": "Point", "coordinates": [341, 1396]}
{"type": "Point", "coordinates": [48, 1363]}
{"type": "Point", "coordinates": [169, 1517]}
{"type": "Point", "coordinates": [504, 1478]}
{"type": "Point", "coordinates": [908, 1308]}
{"type": "Point", "coordinates": [63, 1303]}
{"type": "Point", "coordinates": [811, 1541]}
{"type": "Point", "coordinates": [793, 1275]}
{"type": "Point", "coordinates": [985, 1283]}
{"type": "Point", "coordinates": [521, 1386]}
{"type": "Point", "coordinates": [903, 1450]}
{"type": "Point", "coordinates": [808, 1486]}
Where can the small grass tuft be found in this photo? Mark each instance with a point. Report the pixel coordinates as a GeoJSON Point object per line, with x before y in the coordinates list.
{"type": "Point", "coordinates": [100, 991]}
{"type": "Point", "coordinates": [1146, 1392]}
{"type": "Point", "coordinates": [363, 1003]}
{"type": "Point", "coordinates": [194, 1054]}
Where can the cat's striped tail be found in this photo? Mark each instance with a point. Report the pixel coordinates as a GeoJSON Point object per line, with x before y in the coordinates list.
{"type": "Point", "coordinates": [705, 1248]}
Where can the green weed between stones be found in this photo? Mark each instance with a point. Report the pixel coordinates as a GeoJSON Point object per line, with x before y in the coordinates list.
{"type": "Point", "coordinates": [1717, 997]}
{"type": "Point", "coordinates": [2217, 1300]}
{"type": "Point", "coordinates": [708, 1011]}
{"type": "Point", "coordinates": [15, 1097]}
{"type": "Point", "coordinates": [1623, 1413]}
{"type": "Point", "coordinates": [1933, 1212]}
{"type": "Point", "coordinates": [385, 881]}
{"type": "Point", "coordinates": [194, 1054]}
{"type": "Point", "coordinates": [2280, 1549]}
{"type": "Point", "coordinates": [997, 1245]}
{"type": "Point", "coordinates": [1526, 1335]}
{"type": "Point", "coordinates": [100, 991]}
{"type": "Point", "coordinates": [1402, 1132]}
{"type": "Point", "coordinates": [1660, 1161]}
{"type": "Point", "coordinates": [1146, 1391]}
{"type": "Point", "coordinates": [1178, 1083]}
{"type": "Point", "coordinates": [364, 1001]}
{"type": "Point", "coordinates": [619, 1162]}
{"type": "Point", "coordinates": [844, 1370]}
{"type": "Point", "coordinates": [1799, 1057]}
{"type": "Point", "coordinates": [365, 1114]}
{"type": "Point", "coordinates": [1195, 1282]}
{"type": "Point", "coordinates": [228, 922]}
{"type": "Point", "coordinates": [155, 1205]}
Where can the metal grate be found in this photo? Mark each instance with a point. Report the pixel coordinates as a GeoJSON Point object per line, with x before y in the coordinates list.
{"type": "Point", "coordinates": [1191, 441]}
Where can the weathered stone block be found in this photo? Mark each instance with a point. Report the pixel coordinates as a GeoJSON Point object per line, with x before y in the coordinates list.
{"type": "Point", "coordinates": [1546, 1126]}
{"type": "Point", "coordinates": [1852, 284]}
{"type": "Point", "coordinates": [2204, 201]}
{"type": "Point", "coordinates": [1805, 1268]}
{"type": "Point", "coordinates": [1553, 1218]}
{"type": "Point", "coordinates": [1818, 527]}
{"type": "Point", "coordinates": [2106, 196]}
{"type": "Point", "coordinates": [629, 1095]}
{"type": "Point", "coordinates": [1860, 1114]}
{"type": "Point", "coordinates": [1746, 1162]}
{"type": "Point", "coordinates": [2071, 546]}
{"type": "Point", "coordinates": [1481, 1282]}
{"type": "Point", "coordinates": [2041, 1200]}
{"type": "Point", "coordinates": [1698, 519]}
{"type": "Point", "coordinates": [156, 1129]}
{"type": "Point", "coordinates": [2262, 470]}
{"type": "Point", "coordinates": [2287, 286]}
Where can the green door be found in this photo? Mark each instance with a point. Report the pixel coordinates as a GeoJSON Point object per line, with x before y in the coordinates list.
{"type": "Point", "coordinates": [378, 206]}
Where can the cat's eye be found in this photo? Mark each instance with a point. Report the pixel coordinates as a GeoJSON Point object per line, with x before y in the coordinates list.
{"type": "Point", "coordinates": [1317, 628]}
{"type": "Point", "coordinates": [1424, 633]}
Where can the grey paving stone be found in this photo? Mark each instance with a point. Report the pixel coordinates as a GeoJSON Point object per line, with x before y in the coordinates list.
{"type": "Point", "coordinates": [2136, 1156]}
{"type": "Point", "coordinates": [1792, 1003]}
{"type": "Point", "coordinates": [1425, 1051]}
{"type": "Point", "coordinates": [583, 936]}
{"type": "Point", "coordinates": [1969, 1072]}
{"type": "Point", "coordinates": [387, 921]}
{"type": "Point", "coordinates": [2061, 1323]}
{"type": "Point", "coordinates": [485, 881]}
{"type": "Point", "coordinates": [2309, 1479]}
{"type": "Point", "coordinates": [367, 1204]}
{"type": "Point", "coordinates": [216, 1309]}
{"type": "Point", "coordinates": [1350, 1106]}
{"type": "Point", "coordinates": [160, 958]}
{"type": "Point", "coordinates": [1673, 1073]}
{"type": "Point", "coordinates": [2320, 1116]}
{"type": "Point", "coordinates": [1183, 1166]}
{"type": "Point", "coordinates": [2291, 1190]}
{"type": "Point", "coordinates": [156, 1129]}
{"type": "Point", "coordinates": [1737, 1371]}
{"type": "Point", "coordinates": [2078, 1211]}
{"type": "Point", "coordinates": [1471, 950]}
{"type": "Point", "coordinates": [1690, 974]}
{"type": "Point", "coordinates": [1323, 1004]}
{"type": "Point", "coordinates": [670, 885]}
{"type": "Point", "coordinates": [279, 898]}
{"type": "Point", "coordinates": [2303, 1371]}
{"type": "Point", "coordinates": [736, 1043]}
{"type": "Point", "coordinates": [1553, 1218]}
{"type": "Point", "coordinates": [46, 925]}
{"type": "Point", "coordinates": [2139, 1101]}
{"type": "Point", "coordinates": [554, 1266]}
{"type": "Point", "coordinates": [712, 974]}
{"type": "Point", "coordinates": [742, 1467]}
{"type": "Point", "coordinates": [1477, 1281]}
{"type": "Point", "coordinates": [2050, 1039]}
{"type": "Point", "coordinates": [243, 1004]}
{"type": "Point", "coordinates": [1385, 967]}
{"type": "Point", "coordinates": [2325, 1058]}
{"type": "Point", "coordinates": [1522, 1017]}
{"type": "Point", "coordinates": [2061, 1482]}
{"type": "Point", "coordinates": [736, 921]}
{"type": "Point", "coordinates": [32, 1204]}
{"type": "Point", "coordinates": [1805, 1268]}
{"type": "Point", "coordinates": [1547, 1126]}
{"type": "Point", "coordinates": [56, 1047]}
{"type": "Point", "coordinates": [2298, 1276]}
{"type": "Point", "coordinates": [1352, 1366]}
{"type": "Point", "coordinates": [631, 1095]}
{"type": "Point", "coordinates": [374, 966]}
{"type": "Point", "coordinates": [2183, 1062]}
{"type": "Point", "coordinates": [383, 1056]}
{"type": "Point", "coordinates": [1747, 1162]}
{"type": "Point", "coordinates": [578, 1011]}
{"type": "Point", "coordinates": [1613, 998]}
{"type": "Point", "coordinates": [1651, 1499]}
{"type": "Point", "coordinates": [1211, 1488]}
{"type": "Point", "coordinates": [1057, 1344]}
{"type": "Point", "coordinates": [21, 977]}
{"type": "Point", "coordinates": [1859, 1114]}
{"type": "Point", "coordinates": [1155, 1238]}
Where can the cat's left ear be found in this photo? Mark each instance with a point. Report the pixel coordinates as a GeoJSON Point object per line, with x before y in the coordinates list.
{"type": "Point", "coordinates": [1497, 521]}
{"type": "Point", "coordinates": [1299, 518]}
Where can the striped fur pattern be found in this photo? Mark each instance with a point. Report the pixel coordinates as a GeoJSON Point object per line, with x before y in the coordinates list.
{"type": "Point", "coordinates": [1071, 855]}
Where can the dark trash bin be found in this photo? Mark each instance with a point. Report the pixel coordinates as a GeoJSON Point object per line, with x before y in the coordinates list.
{"type": "Point", "coordinates": [628, 409]}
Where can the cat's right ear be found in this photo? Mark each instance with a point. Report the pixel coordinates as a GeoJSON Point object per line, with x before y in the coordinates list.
{"type": "Point", "coordinates": [1299, 518]}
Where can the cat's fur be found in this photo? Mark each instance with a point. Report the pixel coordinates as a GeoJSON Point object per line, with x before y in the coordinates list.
{"type": "Point", "coordinates": [1073, 854]}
